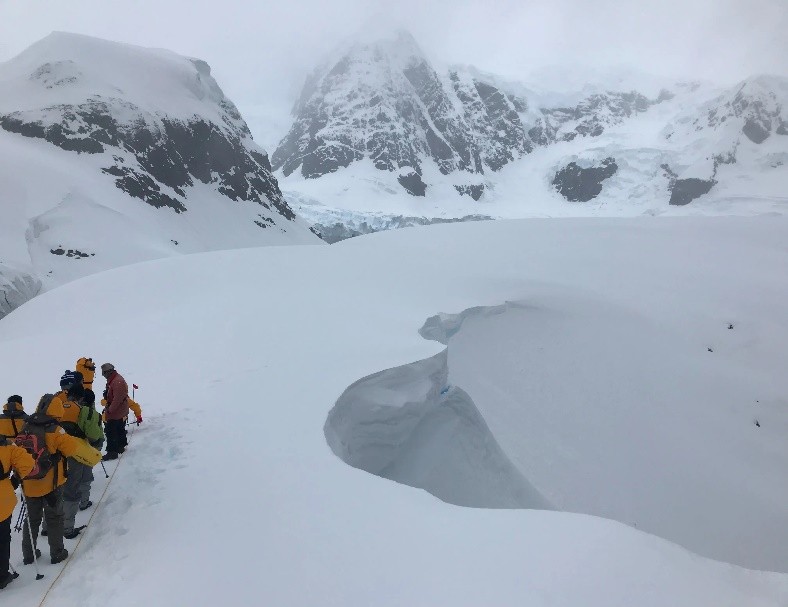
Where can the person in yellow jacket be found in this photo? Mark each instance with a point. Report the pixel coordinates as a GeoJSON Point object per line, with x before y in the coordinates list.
{"type": "Point", "coordinates": [17, 460]}
{"type": "Point", "coordinates": [55, 406]}
{"type": "Point", "coordinates": [87, 367]}
{"type": "Point", "coordinates": [43, 495]}
{"type": "Point", "coordinates": [133, 405]}
{"type": "Point", "coordinates": [12, 418]}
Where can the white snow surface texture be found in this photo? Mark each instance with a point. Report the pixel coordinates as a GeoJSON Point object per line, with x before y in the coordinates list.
{"type": "Point", "coordinates": [589, 365]}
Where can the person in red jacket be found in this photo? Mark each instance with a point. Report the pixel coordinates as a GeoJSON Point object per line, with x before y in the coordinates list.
{"type": "Point", "coordinates": [117, 410]}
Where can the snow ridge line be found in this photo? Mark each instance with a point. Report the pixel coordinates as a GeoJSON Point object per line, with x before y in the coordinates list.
{"type": "Point", "coordinates": [90, 520]}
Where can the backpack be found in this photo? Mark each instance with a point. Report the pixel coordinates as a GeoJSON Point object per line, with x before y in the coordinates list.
{"type": "Point", "coordinates": [32, 439]}
{"type": "Point", "coordinates": [90, 424]}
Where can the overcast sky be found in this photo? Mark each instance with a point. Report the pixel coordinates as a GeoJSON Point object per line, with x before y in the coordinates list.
{"type": "Point", "coordinates": [261, 50]}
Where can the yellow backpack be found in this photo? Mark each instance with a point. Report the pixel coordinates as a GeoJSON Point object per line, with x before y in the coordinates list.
{"type": "Point", "coordinates": [87, 367]}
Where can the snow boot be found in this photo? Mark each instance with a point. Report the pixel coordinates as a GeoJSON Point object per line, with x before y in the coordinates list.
{"type": "Point", "coordinates": [8, 579]}
{"type": "Point", "coordinates": [59, 557]}
{"type": "Point", "coordinates": [29, 561]}
{"type": "Point", "coordinates": [74, 532]}
{"type": "Point", "coordinates": [109, 456]}
{"type": "Point", "coordinates": [86, 506]}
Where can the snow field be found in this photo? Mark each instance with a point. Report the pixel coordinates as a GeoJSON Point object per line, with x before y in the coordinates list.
{"type": "Point", "coordinates": [231, 491]}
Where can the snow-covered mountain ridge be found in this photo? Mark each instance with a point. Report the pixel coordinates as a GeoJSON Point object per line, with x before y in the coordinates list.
{"type": "Point", "coordinates": [395, 127]}
{"type": "Point", "coordinates": [113, 154]}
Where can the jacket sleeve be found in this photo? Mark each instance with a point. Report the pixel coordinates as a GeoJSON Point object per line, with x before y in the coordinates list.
{"type": "Point", "coordinates": [74, 447]}
{"type": "Point", "coordinates": [21, 461]}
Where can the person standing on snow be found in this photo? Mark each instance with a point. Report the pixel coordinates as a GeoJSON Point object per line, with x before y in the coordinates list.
{"type": "Point", "coordinates": [117, 410]}
{"type": "Point", "coordinates": [55, 407]}
{"type": "Point", "coordinates": [44, 495]}
{"type": "Point", "coordinates": [91, 427]}
{"type": "Point", "coordinates": [13, 418]}
{"type": "Point", "coordinates": [16, 459]}
{"type": "Point", "coordinates": [87, 368]}
{"type": "Point", "coordinates": [79, 475]}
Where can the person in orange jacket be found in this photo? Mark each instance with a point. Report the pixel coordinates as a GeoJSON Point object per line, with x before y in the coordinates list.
{"type": "Point", "coordinates": [55, 407]}
{"type": "Point", "coordinates": [17, 460]}
{"type": "Point", "coordinates": [43, 495]}
{"type": "Point", "coordinates": [13, 417]}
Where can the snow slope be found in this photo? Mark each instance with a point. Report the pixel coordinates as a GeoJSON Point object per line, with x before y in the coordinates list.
{"type": "Point", "coordinates": [593, 391]}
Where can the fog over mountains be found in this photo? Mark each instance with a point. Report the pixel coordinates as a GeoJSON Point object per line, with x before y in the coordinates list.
{"type": "Point", "coordinates": [113, 154]}
{"type": "Point", "coordinates": [378, 123]}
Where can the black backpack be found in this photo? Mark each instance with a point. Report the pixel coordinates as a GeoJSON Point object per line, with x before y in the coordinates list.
{"type": "Point", "coordinates": [32, 439]}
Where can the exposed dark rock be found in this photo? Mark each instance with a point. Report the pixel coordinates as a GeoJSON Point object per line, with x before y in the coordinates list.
{"type": "Point", "coordinates": [413, 184]}
{"type": "Point", "coordinates": [577, 184]}
{"type": "Point", "coordinates": [71, 253]}
{"type": "Point", "coordinates": [757, 132]}
{"type": "Point", "coordinates": [475, 191]}
{"type": "Point", "coordinates": [169, 153]}
{"type": "Point", "coordinates": [265, 222]}
{"type": "Point", "coordinates": [592, 115]}
{"type": "Point", "coordinates": [684, 191]}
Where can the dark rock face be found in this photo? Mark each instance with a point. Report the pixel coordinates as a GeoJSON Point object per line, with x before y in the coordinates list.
{"type": "Point", "coordinates": [475, 191]}
{"type": "Point", "coordinates": [754, 104]}
{"type": "Point", "coordinates": [577, 184]}
{"type": "Point", "coordinates": [684, 191]}
{"type": "Point", "coordinates": [413, 184]}
{"type": "Point", "coordinates": [76, 253]}
{"type": "Point", "coordinates": [589, 118]}
{"type": "Point", "coordinates": [410, 116]}
{"type": "Point", "coordinates": [168, 154]}
{"type": "Point", "coordinates": [493, 118]}
{"type": "Point", "coordinates": [467, 122]}
{"type": "Point", "coordinates": [757, 132]}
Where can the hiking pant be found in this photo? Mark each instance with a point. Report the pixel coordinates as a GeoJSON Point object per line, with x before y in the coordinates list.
{"type": "Point", "coordinates": [78, 476]}
{"type": "Point", "coordinates": [115, 431]}
{"type": "Point", "coordinates": [87, 479]}
{"type": "Point", "coordinates": [49, 507]}
{"type": "Point", "coordinates": [5, 547]}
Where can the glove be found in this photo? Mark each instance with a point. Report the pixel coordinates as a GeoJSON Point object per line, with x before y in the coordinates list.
{"type": "Point", "coordinates": [139, 420]}
{"type": "Point", "coordinates": [15, 482]}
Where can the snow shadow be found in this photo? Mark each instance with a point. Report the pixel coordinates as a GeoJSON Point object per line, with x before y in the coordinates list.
{"type": "Point", "coordinates": [405, 424]}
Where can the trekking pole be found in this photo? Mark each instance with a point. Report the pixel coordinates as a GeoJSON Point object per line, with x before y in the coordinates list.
{"type": "Point", "coordinates": [20, 518]}
{"type": "Point", "coordinates": [39, 575]}
{"type": "Point", "coordinates": [105, 468]}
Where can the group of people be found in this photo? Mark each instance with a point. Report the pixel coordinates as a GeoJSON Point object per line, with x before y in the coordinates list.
{"type": "Point", "coordinates": [51, 453]}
